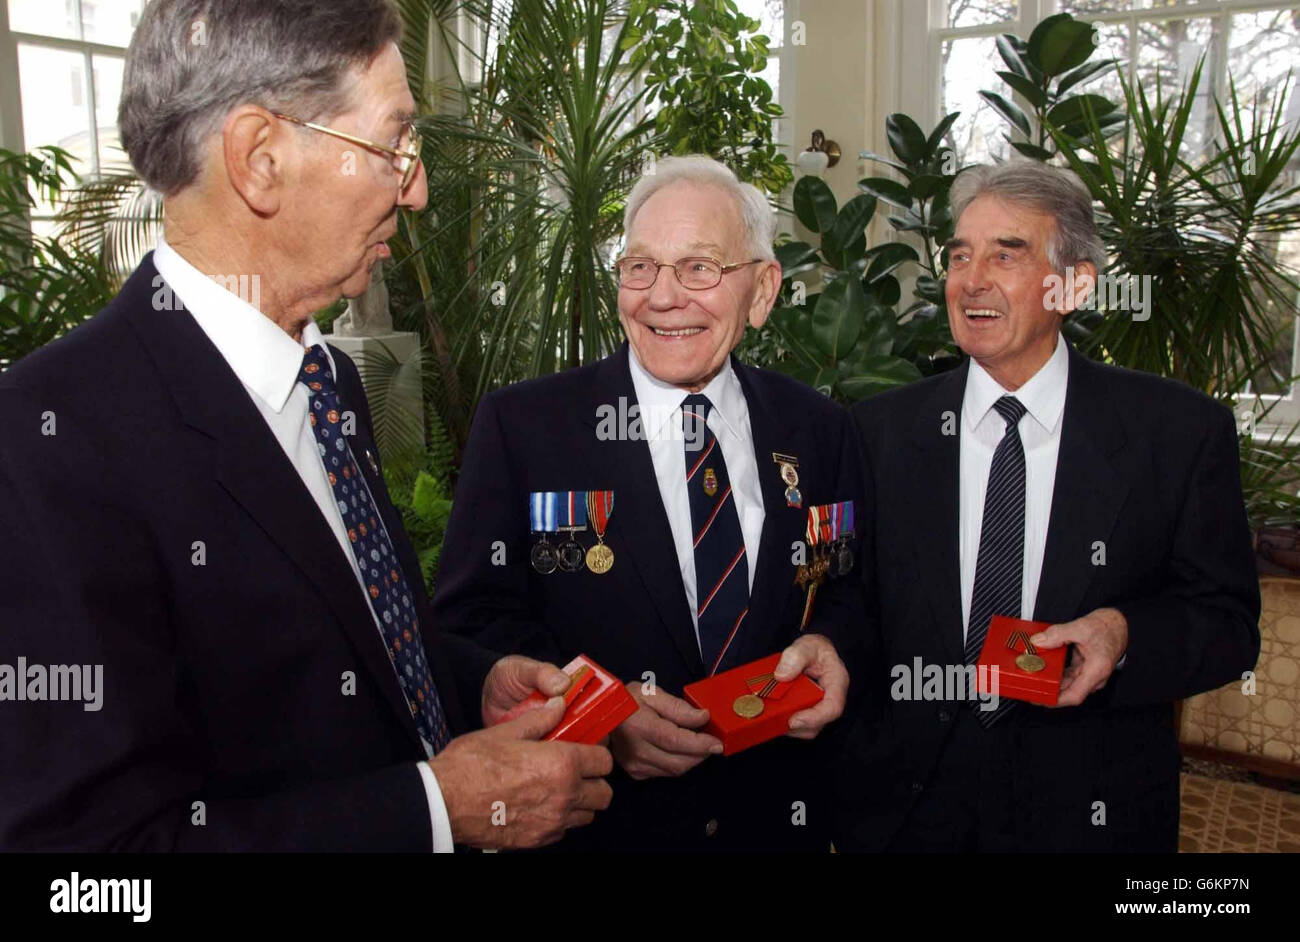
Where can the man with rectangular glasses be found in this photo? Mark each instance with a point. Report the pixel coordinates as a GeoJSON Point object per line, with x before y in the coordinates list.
{"type": "Point", "coordinates": [651, 511]}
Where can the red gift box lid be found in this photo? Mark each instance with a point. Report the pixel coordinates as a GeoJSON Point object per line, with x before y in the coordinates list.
{"type": "Point", "coordinates": [718, 695]}
{"type": "Point", "coordinates": [597, 703]}
{"type": "Point", "coordinates": [1042, 686]}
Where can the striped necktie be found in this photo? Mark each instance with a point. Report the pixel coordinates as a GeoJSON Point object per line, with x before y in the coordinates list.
{"type": "Point", "coordinates": [1000, 565]}
{"type": "Point", "coordinates": [721, 569]}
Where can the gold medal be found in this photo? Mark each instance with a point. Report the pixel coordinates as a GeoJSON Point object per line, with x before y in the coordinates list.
{"type": "Point", "coordinates": [600, 504]}
{"type": "Point", "coordinates": [1030, 663]}
{"type": "Point", "coordinates": [600, 559]}
{"type": "Point", "coordinates": [748, 706]}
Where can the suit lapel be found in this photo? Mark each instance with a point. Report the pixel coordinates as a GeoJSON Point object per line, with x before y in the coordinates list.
{"type": "Point", "coordinates": [935, 493]}
{"type": "Point", "coordinates": [773, 429]}
{"type": "Point", "coordinates": [252, 467]}
{"type": "Point", "coordinates": [1091, 432]}
{"type": "Point", "coordinates": [638, 527]}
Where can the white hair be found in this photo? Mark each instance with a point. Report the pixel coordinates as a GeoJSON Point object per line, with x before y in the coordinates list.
{"type": "Point", "coordinates": [757, 221]}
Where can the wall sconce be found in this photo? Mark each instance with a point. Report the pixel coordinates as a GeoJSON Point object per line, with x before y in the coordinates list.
{"type": "Point", "coordinates": [819, 155]}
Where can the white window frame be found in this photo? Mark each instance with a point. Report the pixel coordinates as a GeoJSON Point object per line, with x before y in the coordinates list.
{"type": "Point", "coordinates": [922, 42]}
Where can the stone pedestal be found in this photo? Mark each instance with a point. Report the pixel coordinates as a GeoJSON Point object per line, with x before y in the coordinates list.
{"type": "Point", "coordinates": [363, 333]}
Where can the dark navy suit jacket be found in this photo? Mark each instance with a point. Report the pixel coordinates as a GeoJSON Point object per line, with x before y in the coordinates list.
{"type": "Point", "coordinates": [224, 683]}
{"type": "Point", "coordinates": [541, 435]}
{"type": "Point", "coordinates": [1148, 474]}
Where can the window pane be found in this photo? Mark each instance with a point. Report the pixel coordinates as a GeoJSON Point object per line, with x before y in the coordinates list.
{"type": "Point", "coordinates": [771, 14]}
{"type": "Point", "coordinates": [978, 135]}
{"type": "Point", "coordinates": [1168, 51]}
{"type": "Point", "coordinates": [110, 22]}
{"type": "Point", "coordinates": [108, 91]}
{"type": "Point", "coordinates": [979, 12]}
{"type": "Point", "coordinates": [1112, 43]}
{"type": "Point", "coordinates": [44, 17]}
{"type": "Point", "coordinates": [1286, 255]}
{"type": "Point", "coordinates": [52, 87]}
{"type": "Point", "coordinates": [1261, 49]}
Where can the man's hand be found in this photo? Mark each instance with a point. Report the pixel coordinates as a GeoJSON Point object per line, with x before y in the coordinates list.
{"type": "Point", "coordinates": [658, 739]}
{"type": "Point", "coordinates": [1100, 639]}
{"type": "Point", "coordinates": [512, 679]}
{"type": "Point", "coordinates": [503, 788]}
{"type": "Point", "coordinates": [815, 656]}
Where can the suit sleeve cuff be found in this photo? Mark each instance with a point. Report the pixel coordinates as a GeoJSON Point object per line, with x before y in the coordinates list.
{"type": "Point", "coordinates": [441, 823]}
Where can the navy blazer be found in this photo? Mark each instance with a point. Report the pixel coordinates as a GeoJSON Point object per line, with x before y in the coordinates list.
{"type": "Point", "coordinates": [255, 683]}
{"type": "Point", "coordinates": [1147, 473]}
{"type": "Point", "coordinates": [541, 435]}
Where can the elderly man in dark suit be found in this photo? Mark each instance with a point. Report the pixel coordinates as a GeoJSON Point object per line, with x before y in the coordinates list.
{"type": "Point", "coordinates": [707, 522]}
{"type": "Point", "coordinates": [1036, 484]}
{"type": "Point", "coordinates": [193, 507]}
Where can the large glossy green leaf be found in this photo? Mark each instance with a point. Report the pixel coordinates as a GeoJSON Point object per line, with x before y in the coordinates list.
{"type": "Point", "coordinates": [906, 138]}
{"type": "Point", "coordinates": [876, 374]}
{"type": "Point", "coordinates": [1008, 110]}
{"type": "Point", "coordinates": [1082, 74]}
{"type": "Point", "coordinates": [846, 240]}
{"type": "Point", "coordinates": [1031, 92]}
{"type": "Point", "coordinates": [885, 258]}
{"type": "Point", "coordinates": [935, 139]}
{"type": "Point", "coordinates": [837, 317]}
{"type": "Point", "coordinates": [891, 191]}
{"type": "Point", "coordinates": [814, 204]}
{"type": "Point", "coordinates": [1075, 108]}
{"type": "Point", "coordinates": [795, 257]}
{"type": "Point", "coordinates": [1060, 47]}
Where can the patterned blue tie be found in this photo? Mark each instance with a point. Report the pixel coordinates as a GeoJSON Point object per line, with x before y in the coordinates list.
{"type": "Point", "coordinates": [1000, 565]}
{"type": "Point", "coordinates": [721, 569]}
{"type": "Point", "coordinates": [386, 587]}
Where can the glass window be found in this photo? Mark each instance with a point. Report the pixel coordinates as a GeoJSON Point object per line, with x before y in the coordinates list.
{"type": "Point", "coordinates": [979, 135]}
{"type": "Point", "coordinates": [981, 12]}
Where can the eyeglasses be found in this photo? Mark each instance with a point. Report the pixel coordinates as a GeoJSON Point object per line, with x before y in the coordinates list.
{"type": "Point", "coordinates": [695, 274]}
{"type": "Point", "coordinates": [406, 160]}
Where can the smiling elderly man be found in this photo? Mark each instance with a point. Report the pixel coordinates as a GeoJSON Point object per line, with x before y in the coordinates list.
{"type": "Point", "coordinates": [1037, 484]}
{"type": "Point", "coordinates": [703, 523]}
{"type": "Point", "coordinates": [192, 496]}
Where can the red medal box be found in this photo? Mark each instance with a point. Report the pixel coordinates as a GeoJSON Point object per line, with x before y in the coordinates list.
{"type": "Point", "coordinates": [1042, 686]}
{"type": "Point", "coordinates": [595, 703]}
{"type": "Point", "coordinates": [719, 695]}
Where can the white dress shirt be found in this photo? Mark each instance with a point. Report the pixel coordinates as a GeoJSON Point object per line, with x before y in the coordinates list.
{"type": "Point", "coordinates": [661, 417]}
{"type": "Point", "coordinates": [267, 362]}
{"type": "Point", "coordinates": [982, 428]}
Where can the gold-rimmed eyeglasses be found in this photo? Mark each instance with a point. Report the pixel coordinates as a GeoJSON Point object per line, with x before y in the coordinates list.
{"type": "Point", "coordinates": [406, 160]}
{"type": "Point", "coordinates": [694, 274]}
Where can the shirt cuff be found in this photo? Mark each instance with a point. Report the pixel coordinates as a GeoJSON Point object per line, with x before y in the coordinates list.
{"type": "Point", "coordinates": [441, 823]}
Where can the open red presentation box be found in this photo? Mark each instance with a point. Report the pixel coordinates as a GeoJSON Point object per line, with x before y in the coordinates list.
{"type": "Point", "coordinates": [596, 702]}
{"type": "Point", "coordinates": [719, 695]}
{"type": "Point", "coordinates": [1042, 686]}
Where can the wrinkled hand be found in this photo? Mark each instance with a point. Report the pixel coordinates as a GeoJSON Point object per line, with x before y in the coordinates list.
{"type": "Point", "coordinates": [815, 656]}
{"type": "Point", "coordinates": [659, 738]}
{"type": "Point", "coordinates": [1100, 639]}
{"type": "Point", "coordinates": [513, 679]}
{"type": "Point", "coordinates": [543, 788]}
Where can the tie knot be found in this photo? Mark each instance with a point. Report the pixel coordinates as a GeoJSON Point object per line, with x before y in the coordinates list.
{"type": "Point", "coordinates": [315, 370]}
{"type": "Point", "coordinates": [1011, 409]}
{"type": "Point", "coordinates": [698, 405]}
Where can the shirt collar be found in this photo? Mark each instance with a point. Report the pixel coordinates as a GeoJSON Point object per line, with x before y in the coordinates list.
{"type": "Point", "coordinates": [264, 358]}
{"type": "Point", "coordinates": [661, 402]}
{"type": "Point", "coordinates": [1043, 396]}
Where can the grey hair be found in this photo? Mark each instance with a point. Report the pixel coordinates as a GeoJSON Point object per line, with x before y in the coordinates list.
{"type": "Point", "coordinates": [191, 61]}
{"type": "Point", "coordinates": [1052, 190]}
{"type": "Point", "coordinates": [757, 221]}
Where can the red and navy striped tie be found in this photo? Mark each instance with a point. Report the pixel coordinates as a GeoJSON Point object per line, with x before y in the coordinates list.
{"type": "Point", "coordinates": [721, 569]}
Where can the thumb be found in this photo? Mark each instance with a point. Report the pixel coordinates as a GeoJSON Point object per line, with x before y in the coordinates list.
{"type": "Point", "coordinates": [535, 723]}
{"type": "Point", "coordinates": [1053, 637]}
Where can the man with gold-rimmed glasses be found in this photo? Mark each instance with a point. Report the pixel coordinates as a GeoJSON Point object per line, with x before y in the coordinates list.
{"type": "Point", "coordinates": [688, 478]}
{"type": "Point", "coordinates": [210, 525]}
